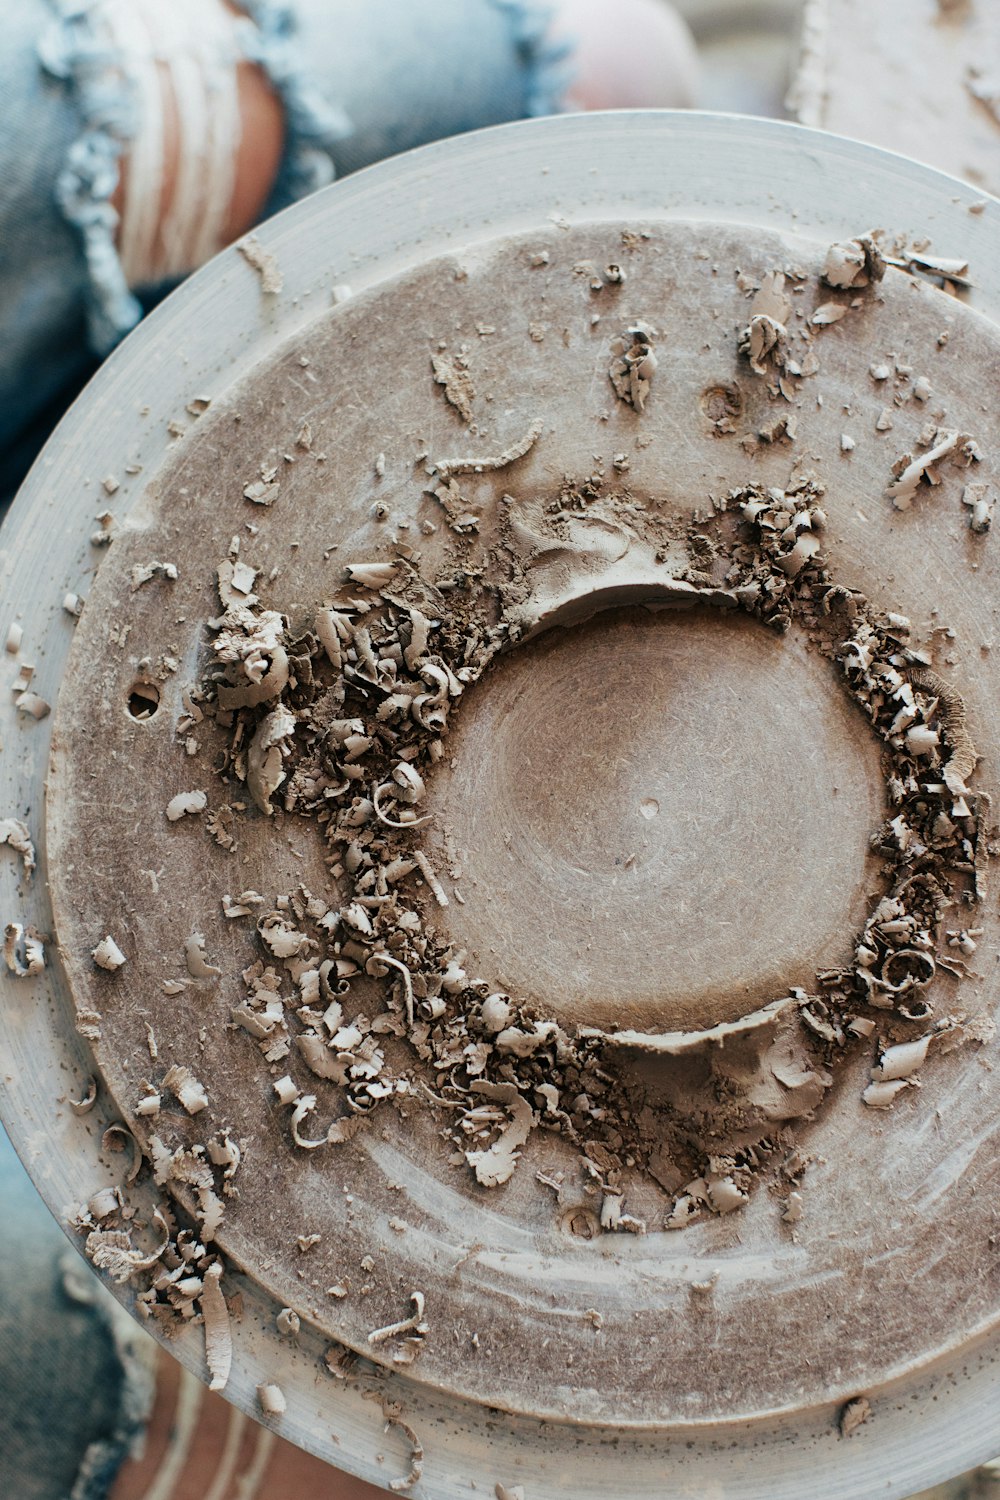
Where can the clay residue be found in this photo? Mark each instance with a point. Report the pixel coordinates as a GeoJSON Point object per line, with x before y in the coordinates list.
{"type": "Point", "coordinates": [633, 364]}
{"type": "Point", "coordinates": [768, 1066]}
{"type": "Point", "coordinates": [263, 262]}
{"type": "Point", "coordinates": [854, 263]}
{"type": "Point", "coordinates": [764, 341]}
{"type": "Point", "coordinates": [15, 834]}
{"type": "Point", "coordinates": [911, 473]}
{"type": "Point", "coordinates": [353, 993]}
{"type": "Point", "coordinates": [348, 977]}
{"type": "Point", "coordinates": [452, 372]}
{"type": "Point", "coordinates": [446, 467]}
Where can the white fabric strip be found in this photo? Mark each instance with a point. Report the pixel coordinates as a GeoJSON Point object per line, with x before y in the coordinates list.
{"type": "Point", "coordinates": [223, 107]}
{"type": "Point", "coordinates": [222, 1482]}
{"type": "Point", "coordinates": [249, 1482]}
{"type": "Point", "coordinates": [144, 168]}
{"type": "Point", "coordinates": [185, 1419]}
{"type": "Point", "coordinates": [182, 57]}
{"type": "Point", "coordinates": [184, 83]}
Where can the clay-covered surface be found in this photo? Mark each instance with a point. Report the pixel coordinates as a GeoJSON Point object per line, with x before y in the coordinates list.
{"type": "Point", "coordinates": [889, 1271]}
{"type": "Point", "coordinates": [524, 1314]}
{"type": "Point", "coordinates": [628, 798]}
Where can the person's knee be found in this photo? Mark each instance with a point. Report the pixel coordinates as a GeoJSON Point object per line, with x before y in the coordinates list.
{"type": "Point", "coordinates": [629, 54]}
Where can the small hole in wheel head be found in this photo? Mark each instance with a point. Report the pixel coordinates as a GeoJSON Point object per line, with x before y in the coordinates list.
{"type": "Point", "coordinates": [143, 700]}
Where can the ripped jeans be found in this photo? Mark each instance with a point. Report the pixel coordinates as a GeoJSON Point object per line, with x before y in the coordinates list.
{"type": "Point", "coordinates": [76, 1373]}
{"type": "Point", "coordinates": [382, 76]}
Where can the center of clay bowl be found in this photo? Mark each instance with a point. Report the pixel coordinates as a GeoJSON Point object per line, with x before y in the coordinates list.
{"type": "Point", "coordinates": [661, 819]}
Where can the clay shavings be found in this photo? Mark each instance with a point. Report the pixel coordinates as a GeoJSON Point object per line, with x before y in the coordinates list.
{"type": "Point", "coordinates": [186, 804]}
{"type": "Point", "coordinates": [981, 501]}
{"type": "Point", "coordinates": [15, 834]}
{"type": "Point", "coordinates": [342, 724]}
{"type": "Point", "coordinates": [451, 372]}
{"type": "Point", "coordinates": [909, 473]}
{"type": "Point", "coordinates": [407, 1335]}
{"type": "Point", "coordinates": [263, 262]}
{"type": "Point", "coordinates": [23, 951]}
{"type": "Point", "coordinates": [446, 467]}
{"type": "Point", "coordinates": [186, 1088]}
{"type": "Point", "coordinates": [853, 263]}
{"type": "Point", "coordinates": [146, 572]}
{"type": "Point", "coordinates": [854, 1414]}
{"type": "Point", "coordinates": [107, 955]}
{"type": "Point", "coordinates": [393, 1414]}
{"type": "Point", "coordinates": [633, 364]}
{"type": "Point", "coordinates": [359, 747]}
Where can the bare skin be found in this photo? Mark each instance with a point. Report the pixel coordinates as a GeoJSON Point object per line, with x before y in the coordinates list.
{"type": "Point", "coordinates": [645, 60]}
{"type": "Point", "coordinates": [200, 1438]}
{"type": "Point", "coordinates": [258, 156]}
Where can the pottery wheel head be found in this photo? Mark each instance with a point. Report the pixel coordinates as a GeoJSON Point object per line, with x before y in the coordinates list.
{"type": "Point", "coordinates": [503, 510]}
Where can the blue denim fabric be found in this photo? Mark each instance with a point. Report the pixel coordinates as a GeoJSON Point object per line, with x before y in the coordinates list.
{"type": "Point", "coordinates": [401, 72]}
{"type": "Point", "coordinates": [43, 276]}
{"type": "Point", "coordinates": [419, 70]}
{"type": "Point", "coordinates": [75, 1372]}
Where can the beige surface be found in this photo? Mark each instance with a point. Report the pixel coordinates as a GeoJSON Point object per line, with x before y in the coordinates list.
{"type": "Point", "coordinates": [979, 1484]}
{"type": "Point", "coordinates": [748, 51]}
{"type": "Point", "coordinates": [921, 78]}
{"type": "Point", "coordinates": [606, 773]}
